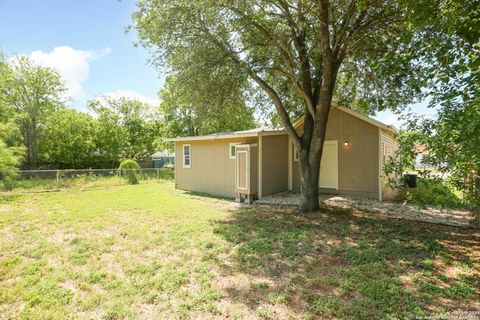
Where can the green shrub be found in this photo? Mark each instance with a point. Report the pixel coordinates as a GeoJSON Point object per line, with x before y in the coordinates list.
{"type": "Point", "coordinates": [433, 192]}
{"type": "Point", "coordinates": [129, 169]}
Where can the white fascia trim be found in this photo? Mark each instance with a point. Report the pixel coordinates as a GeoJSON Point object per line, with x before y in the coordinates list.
{"type": "Point", "coordinates": [247, 145]}
{"type": "Point", "coordinates": [228, 136]}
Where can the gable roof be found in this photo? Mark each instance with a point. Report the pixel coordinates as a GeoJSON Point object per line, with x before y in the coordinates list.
{"type": "Point", "coordinates": [272, 131]}
{"type": "Point", "coordinates": [356, 114]}
{"type": "Point", "coordinates": [365, 118]}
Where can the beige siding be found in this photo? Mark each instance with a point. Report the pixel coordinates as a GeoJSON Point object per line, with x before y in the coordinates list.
{"type": "Point", "coordinates": [274, 164]}
{"type": "Point", "coordinates": [388, 147]}
{"type": "Point", "coordinates": [358, 163]}
{"type": "Point", "coordinates": [212, 171]}
{"type": "Point", "coordinates": [254, 170]}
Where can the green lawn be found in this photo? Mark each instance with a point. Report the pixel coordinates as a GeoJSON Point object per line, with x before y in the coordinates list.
{"type": "Point", "coordinates": [151, 252]}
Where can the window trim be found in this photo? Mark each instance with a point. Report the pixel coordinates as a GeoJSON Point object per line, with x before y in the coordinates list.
{"type": "Point", "coordinates": [189, 156]}
{"type": "Point", "coordinates": [230, 150]}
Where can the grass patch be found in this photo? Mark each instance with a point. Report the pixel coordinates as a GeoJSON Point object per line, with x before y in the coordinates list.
{"type": "Point", "coordinates": [71, 179]}
{"type": "Point", "coordinates": [348, 265]}
{"type": "Point", "coordinates": [149, 251]}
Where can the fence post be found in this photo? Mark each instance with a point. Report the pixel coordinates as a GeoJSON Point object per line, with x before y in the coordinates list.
{"type": "Point", "coordinates": [58, 178]}
{"type": "Point", "coordinates": [158, 173]}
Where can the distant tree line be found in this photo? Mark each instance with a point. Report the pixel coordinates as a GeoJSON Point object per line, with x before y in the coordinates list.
{"type": "Point", "coordinates": [39, 130]}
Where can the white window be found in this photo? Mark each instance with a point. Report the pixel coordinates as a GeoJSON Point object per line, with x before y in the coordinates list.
{"type": "Point", "coordinates": [295, 153]}
{"type": "Point", "coordinates": [232, 150]}
{"type": "Point", "coordinates": [187, 156]}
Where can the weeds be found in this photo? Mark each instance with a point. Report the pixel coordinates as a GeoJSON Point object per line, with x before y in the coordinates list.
{"type": "Point", "coordinates": [149, 251]}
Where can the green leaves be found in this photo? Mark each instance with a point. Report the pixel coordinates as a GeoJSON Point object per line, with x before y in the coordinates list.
{"type": "Point", "coordinates": [129, 169]}
{"type": "Point", "coordinates": [126, 128]}
{"type": "Point", "coordinates": [28, 95]}
{"type": "Point", "coordinates": [234, 41]}
{"type": "Point", "coordinates": [450, 52]}
{"type": "Point", "coordinates": [10, 158]}
{"type": "Point", "coordinates": [186, 111]}
{"type": "Point", "coordinates": [69, 139]}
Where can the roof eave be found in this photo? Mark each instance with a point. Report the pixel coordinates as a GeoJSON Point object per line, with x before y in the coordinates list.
{"type": "Point", "coordinates": [226, 136]}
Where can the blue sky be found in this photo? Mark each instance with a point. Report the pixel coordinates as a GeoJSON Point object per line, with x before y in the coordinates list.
{"type": "Point", "coordinates": [85, 40]}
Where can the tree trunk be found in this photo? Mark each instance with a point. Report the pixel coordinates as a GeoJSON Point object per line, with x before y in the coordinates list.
{"type": "Point", "coordinates": [34, 146]}
{"type": "Point", "coordinates": [313, 139]}
{"type": "Point", "coordinates": [29, 151]}
{"type": "Point", "coordinates": [309, 174]}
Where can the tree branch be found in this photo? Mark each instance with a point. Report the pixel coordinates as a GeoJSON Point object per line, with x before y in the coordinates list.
{"type": "Point", "coordinates": [280, 108]}
{"type": "Point", "coordinates": [344, 26]}
{"type": "Point", "coordinates": [264, 85]}
{"type": "Point", "coordinates": [327, 59]}
{"type": "Point", "coordinates": [287, 59]}
{"type": "Point", "coordinates": [299, 36]}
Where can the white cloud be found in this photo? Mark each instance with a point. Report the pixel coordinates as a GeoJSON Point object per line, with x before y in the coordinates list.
{"type": "Point", "coordinates": [73, 65]}
{"type": "Point", "coordinates": [132, 95]}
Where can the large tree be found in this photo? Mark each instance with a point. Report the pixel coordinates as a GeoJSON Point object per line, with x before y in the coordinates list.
{"type": "Point", "coordinates": [127, 128]}
{"type": "Point", "coordinates": [185, 111]}
{"type": "Point", "coordinates": [29, 93]}
{"type": "Point", "coordinates": [294, 50]}
{"type": "Point", "coordinates": [69, 140]}
{"type": "Point", "coordinates": [9, 131]}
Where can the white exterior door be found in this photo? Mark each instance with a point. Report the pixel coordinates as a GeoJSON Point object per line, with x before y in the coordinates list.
{"type": "Point", "coordinates": [242, 169]}
{"type": "Point", "coordinates": [329, 165]}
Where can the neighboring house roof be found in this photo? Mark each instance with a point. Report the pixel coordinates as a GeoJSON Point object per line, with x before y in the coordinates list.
{"type": "Point", "coordinates": [162, 154]}
{"type": "Point", "coordinates": [273, 131]}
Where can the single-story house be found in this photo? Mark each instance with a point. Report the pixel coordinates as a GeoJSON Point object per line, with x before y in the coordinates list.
{"type": "Point", "coordinates": [162, 158]}
{"type": "Point", "coordinates": [260, 162]}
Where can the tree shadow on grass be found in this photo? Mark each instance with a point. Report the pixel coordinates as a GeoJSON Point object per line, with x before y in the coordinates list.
{"type": "Point", "coordinates": [346, 264]}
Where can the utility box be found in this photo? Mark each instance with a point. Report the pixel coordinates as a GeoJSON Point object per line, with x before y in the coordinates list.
{"type": "Point", "coordinates": [410, 180]}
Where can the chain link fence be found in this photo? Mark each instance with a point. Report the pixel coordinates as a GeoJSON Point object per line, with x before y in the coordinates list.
{"type": "Point", "coordinates": [53, 179]}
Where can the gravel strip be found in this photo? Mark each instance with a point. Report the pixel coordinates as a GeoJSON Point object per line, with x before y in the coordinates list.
{"type": "Point", "coordinates": [458, 218]}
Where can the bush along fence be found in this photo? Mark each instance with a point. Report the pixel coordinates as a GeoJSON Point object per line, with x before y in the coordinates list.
{"type": "Point", "coordinates": [50, 179]}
